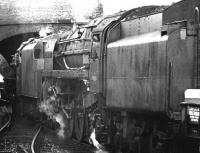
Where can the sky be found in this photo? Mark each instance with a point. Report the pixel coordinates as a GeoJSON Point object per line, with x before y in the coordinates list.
{"type": "Point", "coordinates": [81, 7]}
{"type": "Point", "coordinates": [113, 6]}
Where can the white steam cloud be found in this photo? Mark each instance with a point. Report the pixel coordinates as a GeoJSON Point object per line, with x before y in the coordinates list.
{"type": "Point", "coordinates": [59, 119]}
{"type": "Point", "coordinates": [97, 145]}
{"type": "Point", "coordinates": [48, 108]}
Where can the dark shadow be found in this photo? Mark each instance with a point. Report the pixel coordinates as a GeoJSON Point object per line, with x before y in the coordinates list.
{"type": "Point", "coordinates": [9, 46]}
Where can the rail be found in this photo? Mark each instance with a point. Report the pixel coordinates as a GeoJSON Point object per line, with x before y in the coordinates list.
{"type": "Point", "coordinates": [47, 140]}
{"type": "Point", "coordinates": [6, 124]}
{"type": "Point", "coordinates": [34, 141]}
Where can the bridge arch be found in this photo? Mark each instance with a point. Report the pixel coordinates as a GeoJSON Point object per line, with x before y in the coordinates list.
{"type": "Point", "coordinates": [12, 30]}
{"type": "Point", "coordinates": [9, 45]}
{"type": "Point", "coordinates": [12, 35]}
{"type": "Point", "coordinates": [7, 31]}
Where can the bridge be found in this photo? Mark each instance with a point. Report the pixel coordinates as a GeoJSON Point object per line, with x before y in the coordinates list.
{"type": "Point", "coordinates": [21, 20]}
{"type": "Point", "coordinates": [10, 30]}
{"type": "Point", "coordinates": [12, 35]}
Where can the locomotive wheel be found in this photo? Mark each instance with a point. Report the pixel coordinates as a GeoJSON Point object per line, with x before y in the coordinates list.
{"type": "Point", "coordinates": [79, 124]}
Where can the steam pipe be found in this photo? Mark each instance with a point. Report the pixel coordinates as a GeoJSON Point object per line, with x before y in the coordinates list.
{"type": "Point", "coordinates": [69, 68]}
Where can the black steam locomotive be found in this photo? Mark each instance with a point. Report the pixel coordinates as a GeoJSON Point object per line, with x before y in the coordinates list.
{"type": "Point", "coordinates": [133, 76]}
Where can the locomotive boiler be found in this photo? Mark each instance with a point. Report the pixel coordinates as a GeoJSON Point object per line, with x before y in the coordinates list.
{"type": "Point", "coordinates": [133, 76]}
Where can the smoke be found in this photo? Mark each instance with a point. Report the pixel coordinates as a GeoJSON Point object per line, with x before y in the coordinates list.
{"type": "Point", "coordinates": [96, 144]}
{"type": "Point", "coordinates": [93, 140]}
{"type": "Point", "coordinates": [49, 108]}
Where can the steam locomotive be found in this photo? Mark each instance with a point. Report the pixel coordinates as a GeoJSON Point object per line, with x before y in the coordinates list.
{"type": "Point", "coordinates": [133, 76]}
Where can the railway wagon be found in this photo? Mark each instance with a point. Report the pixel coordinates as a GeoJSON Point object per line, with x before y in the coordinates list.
{"type": "Point", "coordinates": [132, 76]}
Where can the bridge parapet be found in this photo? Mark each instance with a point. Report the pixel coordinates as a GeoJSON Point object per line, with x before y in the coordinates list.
{"type": "Point", "coordinates": [10, 30]}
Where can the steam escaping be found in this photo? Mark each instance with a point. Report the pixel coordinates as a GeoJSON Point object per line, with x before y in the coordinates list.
{"type": "Point", "coordinates": [49, 108]}
{"type": "Point", "coordinates": [94, 141]}
{"type": "Point", "coordinates": [59, 119]}
{"type": "Point", "coordinates": [1, 78]}
{"type": "Point", "coordinates": [96, 144]}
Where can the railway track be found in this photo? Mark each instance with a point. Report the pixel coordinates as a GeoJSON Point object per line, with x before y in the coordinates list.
{"type": "Point", "coordinates": [6, 124]}
{"type": "Point", "coordinates": [48, 141]}
{"type": "Point", "coordinates": [25, 136]}
{"type": "Point", "coordinates": [19, 137]}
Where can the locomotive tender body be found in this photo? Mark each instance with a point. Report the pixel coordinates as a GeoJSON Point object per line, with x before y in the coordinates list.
{"type": "Point", "coordinates": [152, 62]}
{"type": "Point", "coordinates": [106, 73]}
{"type": "Point", "coordinates": [136, 65]}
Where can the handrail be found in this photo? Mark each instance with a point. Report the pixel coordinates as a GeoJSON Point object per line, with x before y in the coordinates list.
{"type": "Point", "coordinates": [72, 40]}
